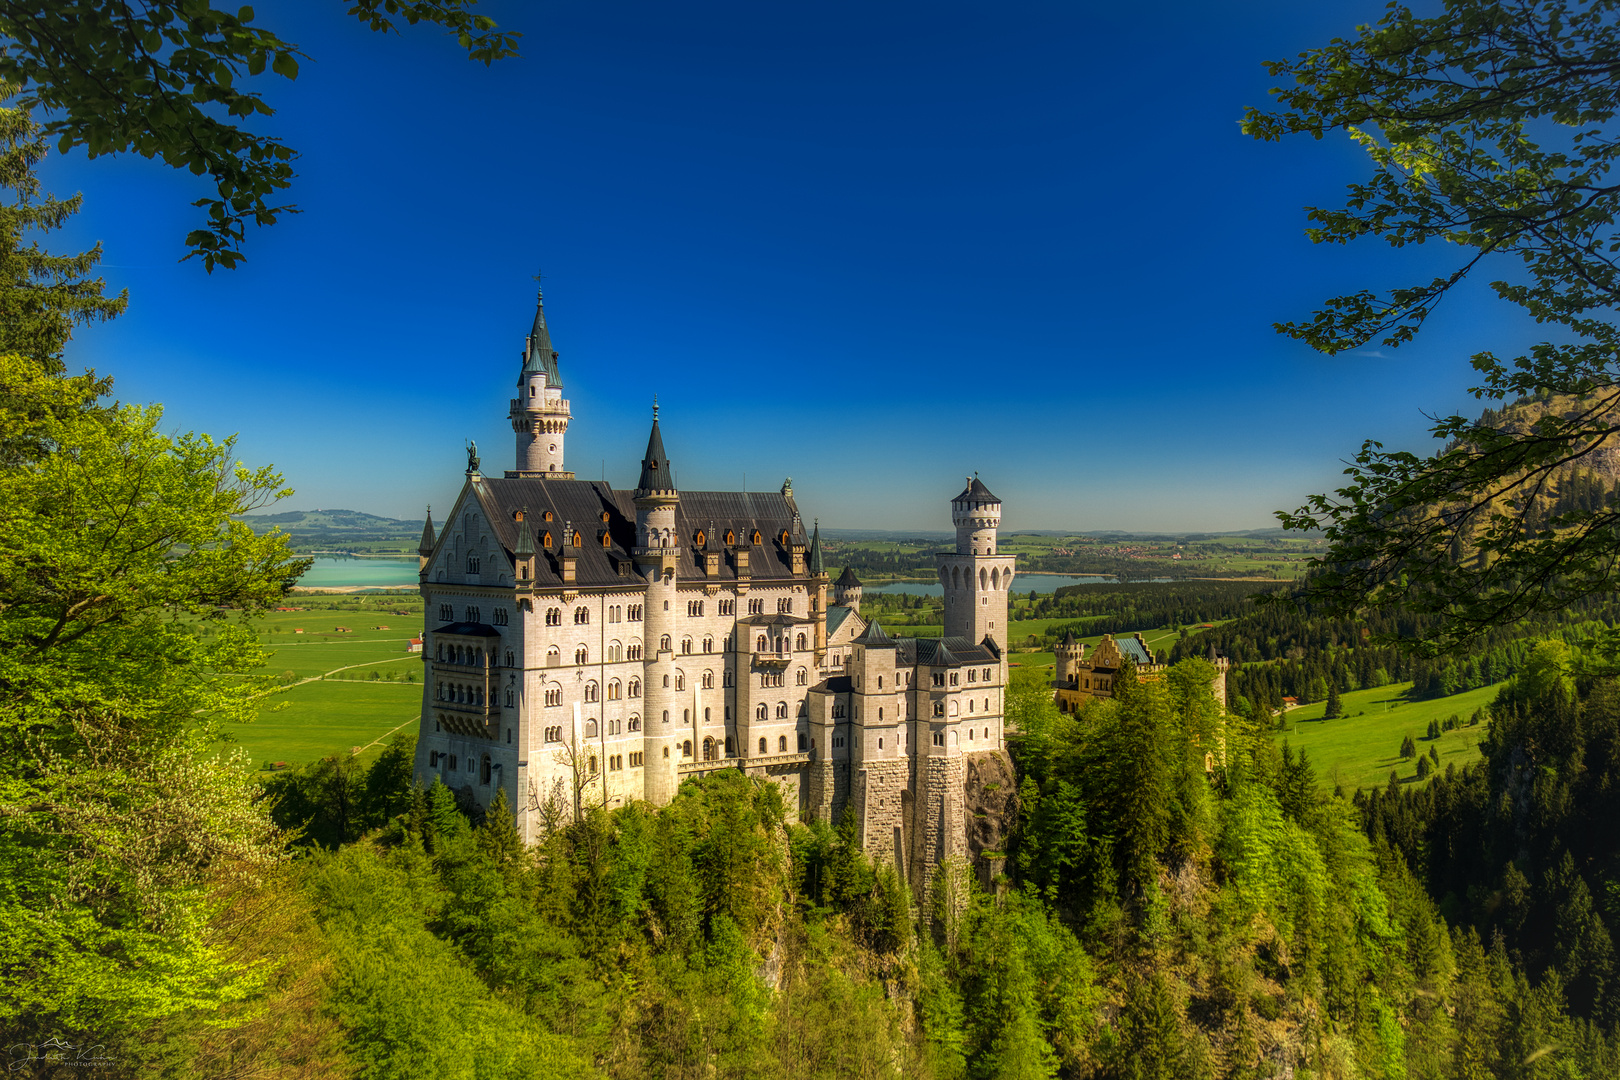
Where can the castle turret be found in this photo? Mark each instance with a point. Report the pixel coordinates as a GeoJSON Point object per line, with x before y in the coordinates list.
{"type": "Point", "coordinates": [670, 711]}
{"type": "Point", "coordinates": [424, 550]}
{"type": "Point", "coordinates": [976, 580]}
{"type": "Point", "coordinates": [818, 593]}
{"type": "Point", "coordinates": [539, 414]}
{"type": "Point", "coordinates": [847, 590]}
{"type": "Point", "coordinates": [1068, 656]}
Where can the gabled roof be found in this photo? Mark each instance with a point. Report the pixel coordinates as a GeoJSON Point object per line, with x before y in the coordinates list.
{"type": "Point", "coordinates": [655, 474]}
{"type": "Point", "coordinates": [836, 614]}
{"type": "Point", "coordinates": [975, 492]}
{"type": "Point", "coordinates": [538, 355]}
{"type": "Point", "coordinates": [1132, 649]}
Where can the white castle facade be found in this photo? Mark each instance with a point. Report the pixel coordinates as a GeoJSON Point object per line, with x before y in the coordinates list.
{"type": "Point", "coordinates": [590, 646]}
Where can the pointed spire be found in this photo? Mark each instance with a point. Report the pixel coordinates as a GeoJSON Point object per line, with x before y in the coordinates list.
{"type": "Point", "coordinates": [874, 636]}
{"type": "Point", "coordinates": [426, 547]}
{"type": "Point", "coordinates": [817, 568]}
{"type": "Point", "coordinates": [538, 355]}
{"type": "Point", "coordinates": [655, 474]}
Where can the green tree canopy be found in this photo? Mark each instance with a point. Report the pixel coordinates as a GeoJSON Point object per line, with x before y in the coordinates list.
{"type": "Point", "coordinates": [1491, 129]}
{"type": "Point", "coordinates": [165, 79]}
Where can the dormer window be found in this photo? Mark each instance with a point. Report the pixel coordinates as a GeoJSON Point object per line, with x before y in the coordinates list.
{"type": "Point", "coordinates": [731, 537]}
{"type": "Point", "coordinates": [547, 515]}
{"type": "Point", "coordinates": [757, 537]}
{"type": "Point", "coordinates": [700, 539]}
{"type": "Point", "coordinates": [545, 539]}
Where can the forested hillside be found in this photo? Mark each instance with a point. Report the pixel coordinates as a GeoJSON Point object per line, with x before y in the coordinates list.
{"type": "Point", "coordinates": [1155, 920]}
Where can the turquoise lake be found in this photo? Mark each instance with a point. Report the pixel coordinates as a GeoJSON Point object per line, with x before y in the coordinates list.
{"type": "Point", "coordinates": [336, 572]}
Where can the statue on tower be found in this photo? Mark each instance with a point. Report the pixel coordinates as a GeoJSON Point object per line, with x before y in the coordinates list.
{"type": "Point", "coordinates": [472, 456]}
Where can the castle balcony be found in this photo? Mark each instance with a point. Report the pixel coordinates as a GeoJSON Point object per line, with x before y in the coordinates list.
{"type": "Point", "coordinates": [771, 661]}
{"type": "Point", "coordinates": [762, 761]}
{"type": "Point", "coordinates": [489, 709]}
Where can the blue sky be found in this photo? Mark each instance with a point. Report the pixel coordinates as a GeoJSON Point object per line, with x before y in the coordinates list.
{"type": "Point", "coordinates": [871, 246]}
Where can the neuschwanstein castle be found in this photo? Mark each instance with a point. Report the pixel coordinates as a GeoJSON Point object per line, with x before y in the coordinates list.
{"type": "Point", "coordinates": [585, 645]}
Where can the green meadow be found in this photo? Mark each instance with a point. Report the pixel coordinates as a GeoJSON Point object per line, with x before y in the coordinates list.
{"type": "Point", "coordinates": [347, 678]}
{"type": "Point", "coordinates": [1359, 749]}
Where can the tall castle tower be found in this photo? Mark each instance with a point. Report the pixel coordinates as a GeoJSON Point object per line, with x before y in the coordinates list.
{"type": "Point", "coordinates": [975, 578]}
{"type": "Point", "coordinates": [539, 414]}
{"type": "Point", "coordinates": [657, 554]}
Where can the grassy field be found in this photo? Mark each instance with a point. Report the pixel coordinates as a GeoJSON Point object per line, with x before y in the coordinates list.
{"type": "Point", "coordinates": [1360, 748]}
{"type": "Point", "coordinates": [344, 688]}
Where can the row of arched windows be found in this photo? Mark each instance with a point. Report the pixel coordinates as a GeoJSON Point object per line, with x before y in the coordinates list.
{"type": "Point", "coordinates": [994, 579]}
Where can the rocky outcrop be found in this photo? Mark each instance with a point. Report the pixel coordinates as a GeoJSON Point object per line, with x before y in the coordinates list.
{"type": "Point", "coordinates": [990, 798]}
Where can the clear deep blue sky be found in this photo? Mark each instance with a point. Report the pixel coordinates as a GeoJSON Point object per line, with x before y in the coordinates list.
{"type": "Point", "coordinates": [873, 246]}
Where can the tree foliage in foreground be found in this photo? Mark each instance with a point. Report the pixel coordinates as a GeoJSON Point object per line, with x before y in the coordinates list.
{"type": "Point", "coordinates": [1491, 129]}
{"type": "Point", "coordinates": [167, 79]}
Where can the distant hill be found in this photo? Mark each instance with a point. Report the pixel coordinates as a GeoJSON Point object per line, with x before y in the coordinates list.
{"type": "Point", "coordinates": [305, 522]}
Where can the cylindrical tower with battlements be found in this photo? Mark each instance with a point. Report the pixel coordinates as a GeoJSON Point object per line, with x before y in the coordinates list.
{"type": "Point", "coordinates": [656, 555]}
{"type": "Point", "coordinates": [976, 580]}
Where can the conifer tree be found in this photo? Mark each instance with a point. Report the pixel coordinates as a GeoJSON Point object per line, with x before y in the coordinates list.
{"type": "Point", "coordinates": [1335, 707]}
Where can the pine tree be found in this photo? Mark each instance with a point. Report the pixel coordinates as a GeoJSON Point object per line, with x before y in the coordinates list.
{"type": "Point", "coordinates": [1408, 748]}
{"type": "Point", "coordinates": [1335, 707]}
{"type": "Point", "coordinates": [498, 837]}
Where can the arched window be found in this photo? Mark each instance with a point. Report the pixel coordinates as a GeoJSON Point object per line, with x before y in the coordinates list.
{"type": "Point", "coordinates": [706, 714]}
{"type": "Point", "coordinates": [581, 655]}
{"type": "Point", "coordinates": [615, 690]}
{"type": "Point", "coordinates": [593, 765]}
{"type": "Point", "coordinates": [634, 723]}
{"type": "Point", "coordinates": [708, 644]}
{"type": "Point", "coordinates": [614, 652]}
{"type": "Point", "coordinates": [799, 643]}
{"type": "Point", "coordinates": [804, 742]}
{"type": "Point", "coordinates": [729, 750]}
{"type": "Point", "coordinates": [781, 744]}
{"type": "Point", "coordinates": [510, 659]}
{"type": "Point", "coordinates": [635, 688]}
{"type": "Point", "coordinates": [686, 748]}
{"type": "Point", "coordinates": [592, 691]}
{"type": "Point", "coordinates": [666, 716]}
{"type": "Point", "coordinates": [708, 680]}
{"type": "Point", "coordinates": [954, 709]}
{"type": "Point", "coordinates": [762, 744]}
{"type": "Point", "coordinates": [686, 646]}
{"type": "Point", "coordinates": [762, 713]}
{"type": "Point", "coordinates": [760, 644]}
{"type": "Point", "coordinates": [663, 643]}
{"type": "Point", "coordinates": [553, 656]}
{"type": "Point", "coordinates": [680, 680]}
{"type": "Point", "coordinates": [781, 710]}
{"type": "Point", "coordinates": [590, 729]}
{"type": "Point", "coordinates": [483, 770]}
{"type": "Point", "coordinates": [554, 616]}
{"type": "Point", "coordinates": [612, 727]}
{"type": "Point", "coordinates": [802, 677]}
{"type": "Point", "coordinates": [708, 749]}
{"type": "Point", "coordinates": [666, 751]}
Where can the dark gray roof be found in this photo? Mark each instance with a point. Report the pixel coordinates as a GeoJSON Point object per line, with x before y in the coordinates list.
{"type": "Point", "coordinates": [426, 547]}
{"type": "Point", "coordinates": [655, 474]}
{"type": "Point", "coordinates": [583, 502]}
{"type": "Point", "coordinates": [816, 567]}
{"type": "Point", "coordinates": [538, 355]}
{"type": "Point", "coordinates": [848, 580]}
{"type": "Point", "coordinates": [975, 492]}
{"type": "Point", "coordinates": [875, 636]}
{"type": "Point", "coordinates": [468, 629]}
{"type": "Point", "coordinates": [944, 652]}
{"type": "Point", "coordinates": [836, 614]}
{"type": "Point", "coordinates": [1068, 638]}
{"type": "Point", "coordinates": [775, 620]}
